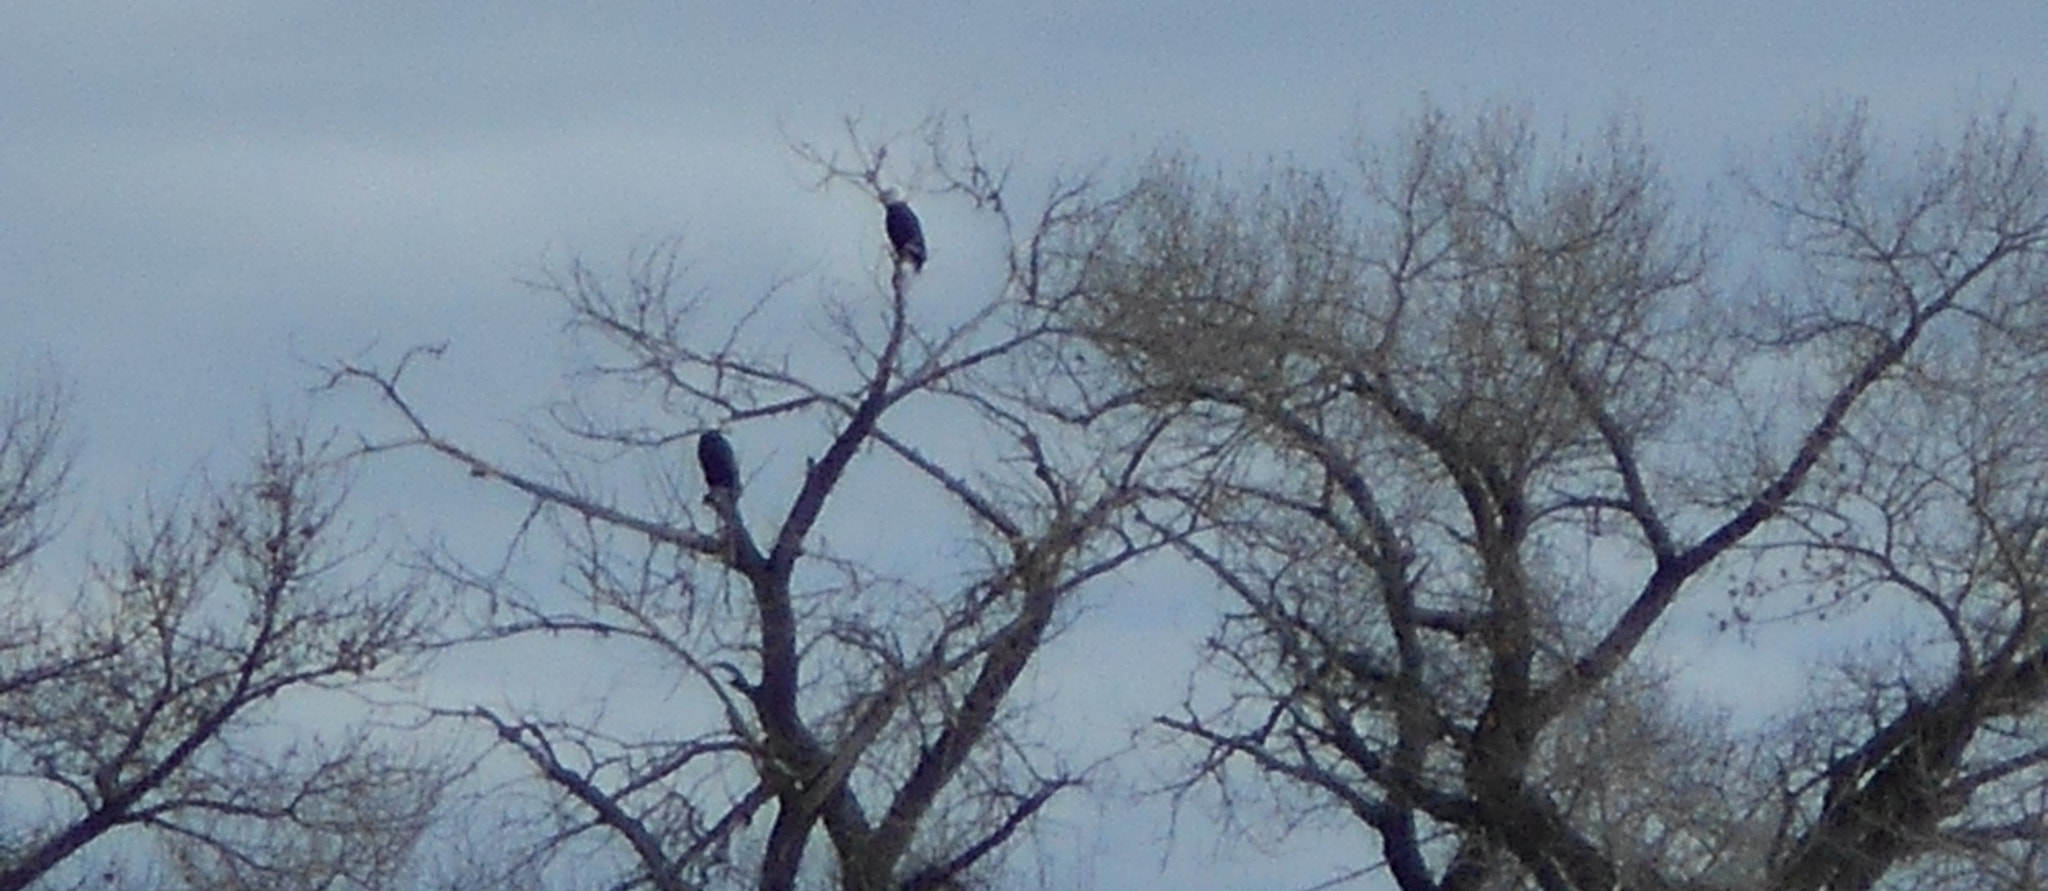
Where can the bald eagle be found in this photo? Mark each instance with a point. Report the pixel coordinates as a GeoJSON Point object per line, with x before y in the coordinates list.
{"type": "Point", "coordinates": [906, 236]}
{"type": "Point", "coordinates": [715, 458]}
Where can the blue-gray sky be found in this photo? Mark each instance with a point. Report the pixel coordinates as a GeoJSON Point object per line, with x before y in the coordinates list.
{"type": "Point", "coordinates": [195, 197]}
{"type": "Point", "coordinates": [189, 189]}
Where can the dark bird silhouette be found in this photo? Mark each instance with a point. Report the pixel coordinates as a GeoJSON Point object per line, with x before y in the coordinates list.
{"type": "Point", "coordinates": [715, 458]}
{"type": "Point", "coordinates": [906, 235]}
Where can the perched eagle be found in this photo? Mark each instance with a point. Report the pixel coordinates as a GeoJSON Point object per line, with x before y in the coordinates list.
{"type": "Point", "coordinates": [715, 458]}
{"type": "Point", "coordinates": [906, 236]}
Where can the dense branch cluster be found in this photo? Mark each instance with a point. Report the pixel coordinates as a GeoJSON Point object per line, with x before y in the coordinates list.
{"type": "Point", "coordinates": [1472, 474]}
{"type": "Point", "coordinates": [147, 703]}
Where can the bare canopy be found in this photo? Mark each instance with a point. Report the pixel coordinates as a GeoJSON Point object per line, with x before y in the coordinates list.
{"type": "Point", "coordinates": [1488, 416]}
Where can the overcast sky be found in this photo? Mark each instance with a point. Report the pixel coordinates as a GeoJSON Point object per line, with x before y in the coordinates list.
{"type": "Point", "coordinates": [191, 193]}
{"type": "Point", "coordinates": [198, 197]}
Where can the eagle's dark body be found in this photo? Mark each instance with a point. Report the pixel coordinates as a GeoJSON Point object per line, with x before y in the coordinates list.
{"type": "Point", "coordinates": [906, 235]}
{"type": "Point", "coordinates": [715, 458]}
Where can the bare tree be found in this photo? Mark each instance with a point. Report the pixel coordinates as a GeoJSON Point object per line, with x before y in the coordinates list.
{"type": "Point", "coordinates": [1487, 419]}
{"type": "Point", "coordinates": [145, 706]}
{"type": "Point", "coordinates": [842, 703]}
{"type": "Point", "coordinates": [33, 468]}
